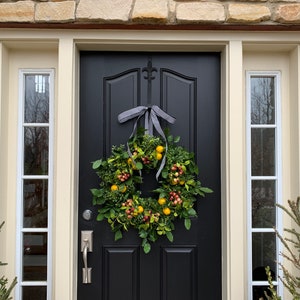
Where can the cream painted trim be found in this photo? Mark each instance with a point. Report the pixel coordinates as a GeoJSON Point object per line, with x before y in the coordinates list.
{"type": "Point", "coordinates": [3, 161]}
{"type": "Point", "coordinates": [295, 121]}
{"type": "Point", "coordinates": [235, 176]}
{"type": "Point", "coordinates": [65, 192]}
{"type": "Point", "coordinates": [232, 45]}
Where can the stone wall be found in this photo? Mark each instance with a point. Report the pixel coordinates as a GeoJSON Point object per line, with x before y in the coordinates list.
{"type": "Point", "coordinates": [157, 12]}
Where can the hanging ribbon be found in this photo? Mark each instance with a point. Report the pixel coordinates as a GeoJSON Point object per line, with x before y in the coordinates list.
{"type": "Point", "coordinates": [151, 114]}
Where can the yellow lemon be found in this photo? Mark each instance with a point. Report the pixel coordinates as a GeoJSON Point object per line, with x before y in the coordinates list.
{"type": "Point", "coordinates": [158, 156]}
{"type": "Point", "coordinates": [160, 149]}
{"type": "Point", "coordinates": [140, 209]}
{"type": "Point", "coordinates": [161, 201]}
{"type": "Point", "coordinates": [114, 187]}
{"type": "Point", "coordinates": [166, 211]}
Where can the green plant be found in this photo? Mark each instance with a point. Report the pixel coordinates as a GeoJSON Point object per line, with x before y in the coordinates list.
{"type": "Point", "coordinates": [291, 252]}
{"type": "Point", "coordinates": [4, 290]}
{"type": "Point", "coordinates": [271, 288]}
{"type": "Point", "coordinates": [120, 198]}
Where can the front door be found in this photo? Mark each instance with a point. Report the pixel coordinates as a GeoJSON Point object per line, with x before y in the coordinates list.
{"type": "Point", "coordinates": [186, 86]}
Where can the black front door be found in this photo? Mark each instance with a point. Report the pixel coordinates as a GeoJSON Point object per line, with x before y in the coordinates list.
{"type": "Point", "coordinates": [186, 86]}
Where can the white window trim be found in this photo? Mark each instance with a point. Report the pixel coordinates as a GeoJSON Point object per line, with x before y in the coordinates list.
{"type": "Point", "coordinates": [277, 177]}
{"type": "Point", "coordinates": [19, 226]}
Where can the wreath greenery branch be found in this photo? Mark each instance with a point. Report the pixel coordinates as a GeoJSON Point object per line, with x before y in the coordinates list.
{"type": "Point", "coordinates": [120, 200]}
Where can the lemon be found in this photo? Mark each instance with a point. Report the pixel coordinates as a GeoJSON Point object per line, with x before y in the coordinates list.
{"type": "Point", "coordinates": [160, 149]}
{"type": "Point", "coordinates": [161, 201]}
{"type": "Point", "coordinates": [166, 211]}
{"type": "Point", "coordinates": [158, 156]}
{"type": "Point", "coordinates": [114, 187]}
{"type": "Point", "coordinates": [124, 189]}
{"type": "Point", "coordinates": [140, 209]}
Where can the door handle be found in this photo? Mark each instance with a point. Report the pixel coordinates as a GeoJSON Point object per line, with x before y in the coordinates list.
{"type": "Point", "coordinates": [86, 246]}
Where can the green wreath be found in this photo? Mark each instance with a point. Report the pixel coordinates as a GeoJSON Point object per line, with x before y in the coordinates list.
{"type": "Point", "coordinates": [122, 203]}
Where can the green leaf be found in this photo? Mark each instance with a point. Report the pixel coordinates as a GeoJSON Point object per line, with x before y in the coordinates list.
{"type": "Point", "coordinates": [100, 217]}
{"type": "Point", "coordinates": [143, 234]}
{"type": "Point", "coordinates": [139, 165]}
{"type": "Point", "coordinates": [118, 235]}
{"type": "Point", "coordinates": [187, 223]}
{"type": "Point", "coordinates": [170, 236]}
{"type": "Point", "coordinates": [164, 174]}
{"type": "Point", "coordinates": [147, 248]}
{"type": "Point", "coordinates": [176, 139]}
{"type": "Point", "coordinates": [95, 192]}
{"type": "Point", "coordinates": [192, 212]}
{"type": "Point", "coordinates": [97, 164]}
{"type": "Point", "coordinates": [206, 190]}
{"type": "Point", "coordinates": [125, 155]}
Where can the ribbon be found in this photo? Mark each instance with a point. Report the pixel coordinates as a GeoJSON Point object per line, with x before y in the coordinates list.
{"type": "Point", "coordinates": [151, 114]}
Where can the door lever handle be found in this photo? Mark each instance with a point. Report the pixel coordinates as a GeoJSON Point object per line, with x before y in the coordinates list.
{"type": "Point", "coordinates": [86, 246]}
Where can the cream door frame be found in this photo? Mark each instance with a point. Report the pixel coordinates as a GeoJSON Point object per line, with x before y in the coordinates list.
{"type": "Point", "coordinates": [64, 46]}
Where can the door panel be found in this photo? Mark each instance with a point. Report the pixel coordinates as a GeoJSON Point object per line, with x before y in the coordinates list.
{"type": "Point", "coordinates": [186, 86]}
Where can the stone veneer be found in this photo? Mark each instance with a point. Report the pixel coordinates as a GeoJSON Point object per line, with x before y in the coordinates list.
{"type": "Point", "coordinates": [167, 12]}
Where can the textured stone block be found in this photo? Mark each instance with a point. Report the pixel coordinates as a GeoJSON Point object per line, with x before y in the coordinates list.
{"type": "Point", "coordinates": [248, 13]}
{"type": "Point", "coordinates": [104, 10]}
{"type": "Point", "coordinates": [288, 13]}
{"type": "Point", "coordinates": [22, 11]}
{"type": "Point", "coordinates": [151, 10]}
{"type": "Point", "coordinates": [200, 12]}
{"type": "Point", "coordinates": [55, 11]}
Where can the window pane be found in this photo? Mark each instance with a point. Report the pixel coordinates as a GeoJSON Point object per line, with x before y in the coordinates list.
{"type": "Point", "coordinates": [263, 203]}
{"type": "Point", "coordinates": [35, 256]}
{"type": "Point", "coordinates": [259, 292]}
{"type": "Point", "coordinates": [262, 100]}
{"type": "Point", "coordinates": [35, 203]}
{"type": "Point", "coordinates": [34, 293]}
{"type": "Point", "coordinates": [263, 254]}
{"type": "Point", "coordinates": [263, 151]}
{"type": "Point", "coordinates": [36, 150]}
{"type": "Point", "coordinates": [36, 99]}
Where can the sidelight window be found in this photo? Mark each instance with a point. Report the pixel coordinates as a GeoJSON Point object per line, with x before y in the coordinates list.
{"type": "Point", "coordinates": [35, 185]}
{"type": "Point", "coordinates": [264, 178]}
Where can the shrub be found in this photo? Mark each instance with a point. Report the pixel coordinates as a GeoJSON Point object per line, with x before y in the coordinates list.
{"type": "Point", "coordinates": [6, 290]}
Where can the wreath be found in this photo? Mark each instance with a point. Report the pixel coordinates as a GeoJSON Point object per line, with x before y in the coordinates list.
{"type": "Point", "coordinates": [121, 201]}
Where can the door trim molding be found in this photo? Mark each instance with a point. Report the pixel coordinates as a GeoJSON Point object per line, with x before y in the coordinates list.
{"type": "Point", "coordinates": [65, 46]}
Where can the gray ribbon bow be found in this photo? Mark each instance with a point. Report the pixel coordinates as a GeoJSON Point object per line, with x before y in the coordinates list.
{"type": "Point", "coordinates": [151, 113]}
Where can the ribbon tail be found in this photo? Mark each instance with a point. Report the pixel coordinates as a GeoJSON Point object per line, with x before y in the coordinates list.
{"type": "Point", "coordinates": [163, 114]}
{"type": "Point", "coordinates": [161, 133]}
{"type": "Point", "coordinates": [162, 164]}
{"type": "Point", "coordinates": [147, 124]}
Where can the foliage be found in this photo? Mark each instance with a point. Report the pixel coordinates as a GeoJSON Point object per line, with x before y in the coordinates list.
{"type": "Point", "coordinates": [120, 198]}
{"type": "Point", "coordinates": [271, 288]}
{"type": "Point", "coordinates": [4, 290]}
{"type": "Point", "coordinates": [292, 251]}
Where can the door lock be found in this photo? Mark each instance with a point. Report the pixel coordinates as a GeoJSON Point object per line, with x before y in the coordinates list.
{"type": "Point", "coordinates": [87, 214]}
{"type": "Point", "coordinates": [86, 246]}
